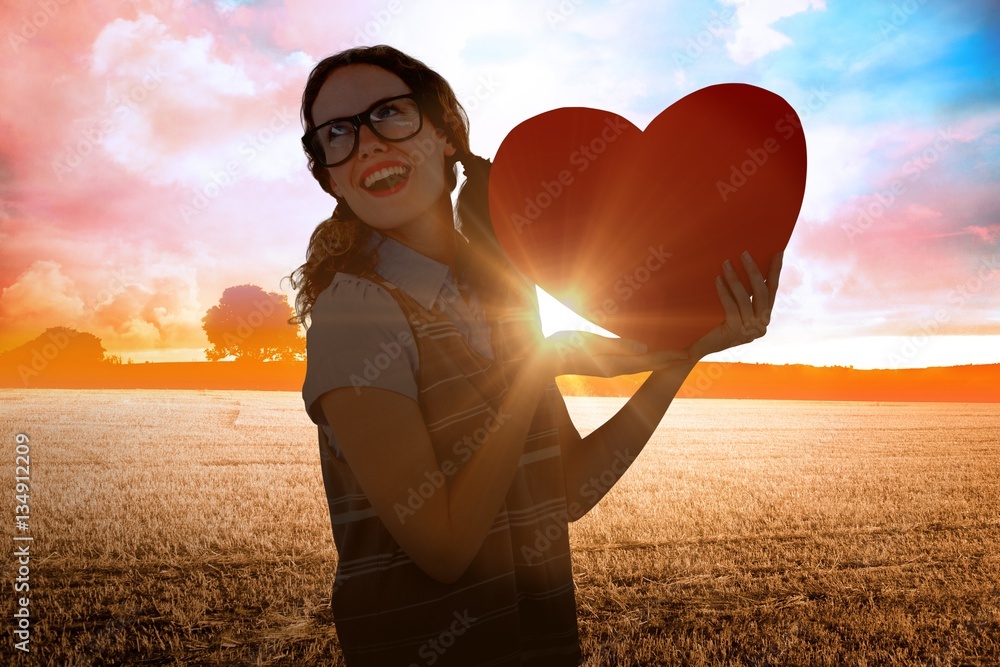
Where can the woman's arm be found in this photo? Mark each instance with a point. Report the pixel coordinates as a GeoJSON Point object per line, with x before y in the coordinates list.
{"type": "Point", "coordinates": [592, 465]}
{"type": "Point", "coordinates": [385, 440]}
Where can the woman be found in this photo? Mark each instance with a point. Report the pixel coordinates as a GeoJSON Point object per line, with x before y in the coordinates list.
{"type": "Point", "coordinates": [450, 463]}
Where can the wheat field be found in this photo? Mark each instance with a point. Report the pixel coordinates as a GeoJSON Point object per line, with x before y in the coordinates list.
{"type": "Point", "coordinates": [191, 527]}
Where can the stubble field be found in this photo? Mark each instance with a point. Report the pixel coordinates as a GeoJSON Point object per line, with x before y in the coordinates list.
{"type": "Point", "coordinates": [191, 527]}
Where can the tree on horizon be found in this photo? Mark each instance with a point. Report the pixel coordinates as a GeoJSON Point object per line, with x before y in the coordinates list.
{"type": "Point", "coordinates": [251, 324]}
{"type": "Point", "coordinates": [57, 350]}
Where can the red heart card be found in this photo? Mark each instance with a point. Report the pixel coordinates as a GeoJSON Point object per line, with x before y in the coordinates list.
{"type": "Point", "coordinates": [629, 228]}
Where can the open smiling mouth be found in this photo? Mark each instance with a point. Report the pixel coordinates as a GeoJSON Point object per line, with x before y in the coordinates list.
{"type": "Point", "coordinates": [386, 181]}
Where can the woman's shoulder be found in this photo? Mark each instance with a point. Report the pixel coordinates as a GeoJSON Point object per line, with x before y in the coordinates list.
{"type": "Point", "coordinates": [348, 294]}
{"type": "Point", "coordinates": [349, 288]}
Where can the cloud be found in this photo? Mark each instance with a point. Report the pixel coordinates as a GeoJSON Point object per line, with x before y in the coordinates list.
{"type": "Point", "coordinates": [43, 295]}
{"type": "Point", "coordinates": [155, 307]}
{"type": "Point", "coordinates": [162, 106]}
{"type": "Point", "coordinates": [754, 36]}
{"type": "Point", "coordinates": [126, 50]}
{"type": "Point", "coordinates": [898, 231]}
{"type": "Point", "coordinates": [986, 233]}
{"type": "Point", "coordinates": [895, 230]}
{"type": "Point", "coordinates": [167, 314]}
{"type": "Point", "coordinates": [177, 110]}
{"type": "Point", "coordinates": [909, 262]}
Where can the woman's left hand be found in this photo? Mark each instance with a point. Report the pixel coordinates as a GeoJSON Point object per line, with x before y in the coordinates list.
{"type": "Point", "coordinates": [746, 318]}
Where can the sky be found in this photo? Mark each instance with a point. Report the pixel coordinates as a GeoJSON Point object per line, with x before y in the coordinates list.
{"type": "Point", "coordinates": [150, 154]}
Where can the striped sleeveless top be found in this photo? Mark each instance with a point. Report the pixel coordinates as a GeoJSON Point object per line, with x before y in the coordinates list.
{"type": "Point", "coordinates": [515, 603]}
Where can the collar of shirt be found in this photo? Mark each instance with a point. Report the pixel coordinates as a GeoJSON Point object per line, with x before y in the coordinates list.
{"type": "Point", "coordinates": [418, 275]}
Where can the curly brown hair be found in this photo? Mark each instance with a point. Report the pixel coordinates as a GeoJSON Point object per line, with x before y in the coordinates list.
{"type": "Point", "coordinates": [338, 244]}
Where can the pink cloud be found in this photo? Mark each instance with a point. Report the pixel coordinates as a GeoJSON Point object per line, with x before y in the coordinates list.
{"type": "Point", "coordinates": [155, 306]}
{"type": "Point", "coordinates": [42, 294]}
{"type": "Point", "coordinates": [119, 119]}
{"type": "Point", "coordinates": [884, 267]}
{"type": "Point", "coordinates": [988, 234]}
{"type": "Point", "coordinates": [319, 30]}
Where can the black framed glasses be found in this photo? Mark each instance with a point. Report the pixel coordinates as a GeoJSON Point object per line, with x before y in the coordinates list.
{"type": "Point", "coordinates": [392, 119]}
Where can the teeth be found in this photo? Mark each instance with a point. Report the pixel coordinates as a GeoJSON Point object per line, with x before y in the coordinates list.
{"type": "Point", "coordinates": [384, 173]}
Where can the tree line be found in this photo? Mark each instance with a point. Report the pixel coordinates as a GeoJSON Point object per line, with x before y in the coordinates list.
{"type": "Point", "coordinates": [248, 325]}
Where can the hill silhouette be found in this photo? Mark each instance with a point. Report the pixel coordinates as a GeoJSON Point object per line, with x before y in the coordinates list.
{"type": "Point", "coordinates": [59, 354]}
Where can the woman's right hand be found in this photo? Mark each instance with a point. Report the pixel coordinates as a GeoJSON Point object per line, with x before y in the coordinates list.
{"type": "Point", "coordinates": [586, 353]}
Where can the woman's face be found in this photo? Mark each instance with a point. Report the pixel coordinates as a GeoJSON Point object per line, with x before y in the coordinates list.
{"type": "Point", "coordinates": [419, 160]}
